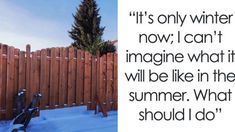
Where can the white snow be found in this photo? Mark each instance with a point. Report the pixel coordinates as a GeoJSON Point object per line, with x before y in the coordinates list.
{"type": "Point", "coordinates": [73, 119]}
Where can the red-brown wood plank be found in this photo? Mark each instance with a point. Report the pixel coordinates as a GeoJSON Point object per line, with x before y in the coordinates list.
{"type": "Point", "coordinates": [28, 60]}
{"type": "Point", "coordinates": [93, 82]}
{"type": "Point", "coordinates": [87, 80]}
{"type": "Point", "coordinates": [52, 78]}
{"type": "Point", "coordinates": [22, 72]}
{"type": "Point", "coordinates": [47, 94]}
{"type": "Point", "coordinates": [1, 86]}
{"type": "Point", "coordinates": [100, 87]}
{"type": "Point", "coordinates": [62, 77]}
{"type": "Point", "coordinates": [33, 86]}
{"type": "Point", "coordinates": [56, 79]}
{"type": "Point", "coordinates": [104, 76]}
{"type": "Point", "coordinates": [37, 75]}
{"type": "Point", "coordinates": [37, 72]}
{"type": "Point", "coordinates": [80, 77]}
{"type": "Point", "coordinates": [102, 81]}
{"type": "Point", "coordinates": [66, 64]}
{"type": "Point", "coordinates": [115, 82]}
{"type": "Point", "coordinates": [109, 81]}
{"type": "Point", "coordinates": [16, 76]}
{"type": "Point", "coordinates": [71, 78]}
{"type": "Point", "coordinates": [16, 72]}
{"type": "Point", "coordinates": [4, 80]}
{"type": "Point", "coordinates": [43, 79]}
{"type": "Point", "coordinates": [66, 68]}
{"type": "Point", "coordinates": [10, 83]}
{"type": "Point", "coordinates": [74, 76]}
{"type": "Point", "coordinates": [97, 94]}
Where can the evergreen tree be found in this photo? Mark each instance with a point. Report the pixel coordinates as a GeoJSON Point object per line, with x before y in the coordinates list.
{"type": "Point", "coordinates": [107, 47]}
{"type": "Point", "coordinates": [86, 31]}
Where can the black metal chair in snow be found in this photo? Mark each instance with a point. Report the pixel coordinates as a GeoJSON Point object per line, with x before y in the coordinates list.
{"type": "Point", "coordinates": [20, 102]}
{"type": "Point", "coordinates": [22, 120]}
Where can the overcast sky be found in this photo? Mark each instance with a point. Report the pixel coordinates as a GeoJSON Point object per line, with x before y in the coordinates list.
{"type": "Point", "coordinates": [45, 23]}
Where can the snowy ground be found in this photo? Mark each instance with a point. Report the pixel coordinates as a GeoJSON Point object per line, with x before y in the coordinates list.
{"type": "Point", "coordinates": [75, 119]}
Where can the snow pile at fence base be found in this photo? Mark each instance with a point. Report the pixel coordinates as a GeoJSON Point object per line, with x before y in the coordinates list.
{"type": "Point", "coordinates": [75, 119]}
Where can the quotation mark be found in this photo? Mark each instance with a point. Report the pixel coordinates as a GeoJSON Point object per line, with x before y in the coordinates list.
{"type": "Point", "coordinates": [218, 110]}
{"type": "Point", "coordinates": [138, 15]}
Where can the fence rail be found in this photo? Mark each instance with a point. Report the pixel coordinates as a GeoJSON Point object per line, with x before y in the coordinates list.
{"type": "Point", "coordinates": [64, 76]}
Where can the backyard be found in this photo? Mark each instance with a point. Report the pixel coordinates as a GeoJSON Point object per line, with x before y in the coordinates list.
{"type": "Point", "coordinates": [73, 119]}
{"type": "Point", "coordinates": [62, 80]}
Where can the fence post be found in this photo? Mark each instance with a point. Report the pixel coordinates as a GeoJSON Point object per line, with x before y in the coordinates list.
{"type": "Point", "coordinates": [28, 59]}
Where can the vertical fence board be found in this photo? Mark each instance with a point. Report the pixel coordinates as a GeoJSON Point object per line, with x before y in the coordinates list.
{"type": "Point", "coordinates": [115, 81]}
{"type": "Point", "coordinates": [4, 79]}
{"type": "Point", "coordinates": [28, 74]}
{"type": "Point", "coordinates": [87, 80]}
{"type": "Point", "coordinates": [1, 86]}
{"type": "Point", "coordinates": [74, 77]}
{"type": "Point", "coordinates": [62, 78]}
{"type": "Point", "coordinates": [100, 87]}
{"type": "Point", "coordinates": [56, 78]}
{"type": "Point", "coordinates": [93, 81]}
{"type": "Point", "coordinates": [16, 75]}
{"type": "Point", "coordinates": [37, 72]}
{"type": "Point", "coordinates": [102, 81]}
{"type": "Point", "coordinates": [22, 71]}
{"type": "Point", "coordinates": [33, 78]}
{"type": "Point", "coordinates": [109, 81]}
{"type": "Point", "coordinates": [37, 75]}
{"type": "Point", "coordinates": [52, 78]}
{"type": "Point", "coordinates": [70, 100]}
{"type": "Point", "coordinates": [80, 76]}
{"type": "Point", "coordinates": [78, 82]}
{"type": "Point", "coordinates": [78, 89]}
{"type": "Point", "coordinates": [66, 52]}
{"type": "Point", "coordinates": [66, 65]}
{"type": "Point", "coordinates": [10, 82]}
{"type": "Point", "coordinates": [43, 78]}
{"type": "Point", "coordinates": [48, 65]}
{"type": "Point", "coordinates": [97, 89]}
{"type": "Point", "coordinates": [71, 78]}
{"type": "Point", "coordinates": [16, 72]}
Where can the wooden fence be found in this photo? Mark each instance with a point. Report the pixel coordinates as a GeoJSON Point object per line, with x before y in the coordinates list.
{"type": "Point", "coordinates": [64, 76]}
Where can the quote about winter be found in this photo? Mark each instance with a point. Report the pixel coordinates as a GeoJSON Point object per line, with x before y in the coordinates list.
{"type": "Point", "coordinates": [194, 60]}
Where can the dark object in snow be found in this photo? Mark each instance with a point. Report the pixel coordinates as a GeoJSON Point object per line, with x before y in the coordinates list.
{"type": "Point", "coordinates": [22, 120]}
{"type": "Point", "coordinates": [20, 102]}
